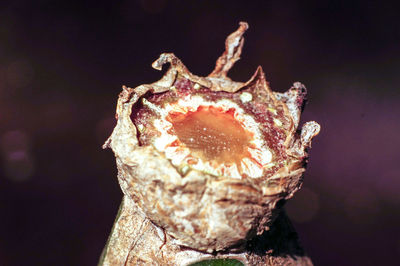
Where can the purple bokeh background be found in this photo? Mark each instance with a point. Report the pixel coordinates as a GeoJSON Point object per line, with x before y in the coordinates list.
{"type": "Point", "coordinates": [62, 65]}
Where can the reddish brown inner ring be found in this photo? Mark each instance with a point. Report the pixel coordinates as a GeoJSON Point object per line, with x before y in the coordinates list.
{"type": "Point", "coordinates": [212, 134]}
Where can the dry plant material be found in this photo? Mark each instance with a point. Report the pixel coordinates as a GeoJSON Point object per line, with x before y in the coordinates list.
{"type": "Point", "coordinates": [203, 162]}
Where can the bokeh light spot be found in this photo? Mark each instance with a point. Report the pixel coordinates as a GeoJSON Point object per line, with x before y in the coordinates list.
{"type": "Point", "coordinates": [19, 166]}
{"type": "Point", "coordinates": [14, 140]}
{"type": "Point", "coordinates": [17, 161]}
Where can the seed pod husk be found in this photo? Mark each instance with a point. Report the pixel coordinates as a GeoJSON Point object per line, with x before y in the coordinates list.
{"type": "Point", "coordinates": [204, 161]}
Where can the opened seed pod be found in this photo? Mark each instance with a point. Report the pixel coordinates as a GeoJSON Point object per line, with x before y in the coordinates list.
{"type": "Point", "coordinates": [206, 158]}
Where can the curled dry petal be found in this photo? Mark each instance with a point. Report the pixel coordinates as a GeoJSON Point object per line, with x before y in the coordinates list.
{"type": "Point", "coordinates": [207, 158]}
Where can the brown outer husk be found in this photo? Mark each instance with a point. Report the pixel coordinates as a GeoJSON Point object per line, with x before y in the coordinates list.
{"type": "Point", "coordinates": [135, 240]}
{"type": "Point", "coordinates": [200, 211]}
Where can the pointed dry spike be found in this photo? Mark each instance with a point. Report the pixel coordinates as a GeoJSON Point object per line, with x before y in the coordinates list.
{"type": "Point", "coordinates": [233, 49]}
{"type": "Point", "coordinates": [169, 58]}
{"type": "Point", "coordinates": [295, 99]}
{"type": "Point", "coordinates": [308, 131]}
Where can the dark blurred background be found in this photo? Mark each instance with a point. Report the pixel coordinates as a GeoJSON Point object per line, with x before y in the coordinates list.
{"type": "Point", "coordinates": [62, 65]}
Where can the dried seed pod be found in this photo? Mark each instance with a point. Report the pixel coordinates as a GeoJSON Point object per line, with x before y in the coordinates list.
{"type": "Point", "coordinates": [207, 158]}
